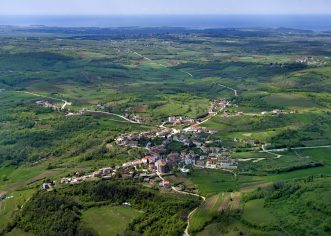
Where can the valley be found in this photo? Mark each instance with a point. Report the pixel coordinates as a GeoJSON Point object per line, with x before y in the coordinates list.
{"type": "Point", "coordinates": [167, 131]}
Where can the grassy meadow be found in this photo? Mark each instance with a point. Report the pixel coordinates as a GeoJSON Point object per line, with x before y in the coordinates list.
{"type": "Point", "coordinates": [109, 220]}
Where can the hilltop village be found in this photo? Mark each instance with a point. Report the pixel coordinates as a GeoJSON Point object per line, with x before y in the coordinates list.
{"type": "Point", "coordinates": [171, 148]}
{"type": "Point", "coordinates": [168, 150]}
{"type": "Point", "coordinates": [179, 144]}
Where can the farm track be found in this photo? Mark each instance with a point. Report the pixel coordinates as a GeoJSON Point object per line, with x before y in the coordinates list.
{"type": "Point", "coordinates": [299, 148]}
{"type": "Point", "coordinates": [160, 64]}
{"type": "Point", "coordinates": [65, 103]}
{"type": "Point", "coordinates": [211, 202]}
{"type": "Point", "coordinates": [272, 151]}
{"type": "Point", "coordinates": [234, 90]}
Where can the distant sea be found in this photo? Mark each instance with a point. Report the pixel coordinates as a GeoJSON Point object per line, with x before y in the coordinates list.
{"type": "Point", "coordinates": [306, 22]}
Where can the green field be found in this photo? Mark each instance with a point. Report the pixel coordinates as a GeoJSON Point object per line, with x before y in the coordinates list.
{"type": "Point", "coordinates": [210, 182]}
{"type": "Point", "coordinates": [206, 212]}
{"type": "Point", "coordinates": [290, 101]}
{"type": "Point", "coordinates": [18, 232]}
{"type": "Point", "coordinates": [234, 227]}
{"type": "Point", "coordinates": [321, 154]}
{"type": "Point", "coordinates": [256, 214]}
{"type": "Point", "coordinates": [12, 204]}
{"type": "Point", "coordinates": [283, 208]}
{"type": "Point", "coordinates": [251, 181]}
{"type": "Point", "coordinates": [109, 220]}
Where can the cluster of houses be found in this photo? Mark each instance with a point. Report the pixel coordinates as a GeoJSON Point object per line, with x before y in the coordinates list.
{"type": "Point", "coordinates": [277, 112]}
{"type": "Point", "coordinates": [198, 151]}
{"type": "Point", "coordinates": [305, 60]}
{"type": "Point", "coordinates": [133, 117]}
{"type": "Point", "coordinates": [128, 170]}
{"type": "Point", "coordinates": [216, 105]}
{"type": "Point", "coordinates": [134, 139]}
{"type": "Point", "coordinates": [196, 128]}
{"type": "Point", "coordinates": [162, 160]}
{"type": "Point", "coordinates": [139, 139]}
{"type": "Point", "coordinates": [180, 120]}
{"type": "Point", "coordinates": [104, 173]}
{"type": "Point", "coordinates": [220, 160]}
{"type": "Point", "coordinates": [48, 186]}
{"type": "Point", "coordinates": [81, 112]}
{"type": "Point", "coordinates": [47, 104]}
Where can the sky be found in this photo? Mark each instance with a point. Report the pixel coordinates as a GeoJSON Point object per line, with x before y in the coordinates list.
{"type": "Point", "coordinates": [162, 7]}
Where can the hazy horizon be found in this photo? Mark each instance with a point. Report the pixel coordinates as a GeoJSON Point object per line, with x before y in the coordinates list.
{"type": "Point", "coordinates": [306, 22]}
{"type": "Point", "coordinates": [165, 7]}
{"type": "Point", "coordinates": [299, 14]}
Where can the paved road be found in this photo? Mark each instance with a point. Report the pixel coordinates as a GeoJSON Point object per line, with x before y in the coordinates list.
{"type": "Point", "coordinates": [114, 114]}
{"type": "Point", "coordinates": [272, 151]}
{"type": "Point", "coordinates": [212, 115]}
{"type": "Point", "coordinates": [297, 148]}
{"type": "Point", "coordinates": [65, 104]}
{"type": "Point", "coordinates": [187, 193]}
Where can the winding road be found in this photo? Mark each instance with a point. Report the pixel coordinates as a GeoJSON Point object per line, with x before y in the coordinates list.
{"type": "Point", "coordinates": [297, 148]}
{"type": "Point", "coordinates": [270, 151]}
{"type": "Point", "coordinates": [114, 114]}
{"type": "Point", "coordinates": [66, 103]}
{"type": "Point", "coordinates": [186, 233]}
{"type": "Point", "coordinates": [234, 90]}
